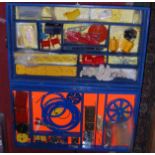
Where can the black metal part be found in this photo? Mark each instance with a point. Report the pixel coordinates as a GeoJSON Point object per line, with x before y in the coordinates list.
{"type": "Point", "coordinates": [75, 140]}
{"type": "Point", "coordinates": [89, 118]}
{"type": "Point", "coordinates": [22, 128]}
{"type": "Point", "coordinates": [53, 29]}
{"type": "Point", "coordinates": [130, 34]}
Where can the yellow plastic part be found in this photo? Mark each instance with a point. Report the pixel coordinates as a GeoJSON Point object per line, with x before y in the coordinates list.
{"type": "Point", "coordinates": [22, 137]}
{"type": "Point", "coordinates": [40, 138]}
{"type": "Point", "coordinates": [73, 15]}
{"type": "Point", "coordinates": [43, 138]}
{"type": "Point", "coordinates": [36, 138]}
{"type": "Point", "coordinates": [39, 58]}
{"type": "Point", "coordinates": [46, 70]}
{"type": "Point", "coordinates": [127, 45]}
{"type": "Point", "coordinates": [57, 111]}
{"type": "Point", "coordinates": [46, 13]}
{"type": "Point", "coordinates": [113, 45]}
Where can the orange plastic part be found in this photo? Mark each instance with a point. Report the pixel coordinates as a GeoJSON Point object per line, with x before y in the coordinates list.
{"type": "Point", "coordinates": [127, 45]}
{"type": "Point", "coordinates": [113, 44]}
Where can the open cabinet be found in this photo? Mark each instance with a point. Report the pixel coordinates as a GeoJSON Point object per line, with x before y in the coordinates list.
{"type": "Point", "coordinates": [76, 73]}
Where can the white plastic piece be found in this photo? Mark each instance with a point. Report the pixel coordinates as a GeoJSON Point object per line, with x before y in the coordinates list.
{"type": "Point", "coordinates": [106, 73]}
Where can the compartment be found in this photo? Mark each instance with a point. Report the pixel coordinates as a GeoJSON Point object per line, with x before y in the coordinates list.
{"type": "Point", "coordinates": [22, 117]}
{"type": "Point", "coordinates": [56, 112]}
{"type": "Point", "coordinates": [92, 59]}
{"type": "Point", "coordinates": [124, 39]}
{"type": "Point", "coordinates": [30, 58]}
{"type": "Point", "coordinates": [108, 73]}
{"type": "Point", "coordinates": [34, 13]}
{"type": "Point", "coordinates": [119, 120]}
{"type": "Point", "coordinates": [50, 36]}
{"type": "Point", "coordinates": [45, 70]}
{"type": "Point", "coordinates": [26, 35]}
{"type": "Point", "coordinates": [85, 34]}
{"type": "Point", "coordinates": [73, 118]}
{"type": "Point", "coordinates": [124, 60]}
{"type": "Point", "coordinates": [115, 15]}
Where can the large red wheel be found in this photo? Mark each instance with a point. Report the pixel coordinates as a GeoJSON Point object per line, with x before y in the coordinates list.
{"type": "Point", "coordinates": [99, 30]}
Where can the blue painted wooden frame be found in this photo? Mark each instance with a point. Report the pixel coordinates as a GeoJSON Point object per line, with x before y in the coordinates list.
{"type": "Point", "coordinates": [30, 83]}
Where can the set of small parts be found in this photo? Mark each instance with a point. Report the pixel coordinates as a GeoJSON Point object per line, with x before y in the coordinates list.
{"type": "Point", "coordinates": [52, 30]}
{"type": "Point", "coordinates": [127, 43]}
{"type": "Point", "coordinates": [106, 73]}
{"type": "Point", "coordinates": [95, 35]}
{"type": "Point", "coordinates": [49, 111]}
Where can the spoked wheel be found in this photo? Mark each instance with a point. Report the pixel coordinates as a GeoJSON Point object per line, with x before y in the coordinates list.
{"type": "Point", "coordinates": [74, 97]}
{"type": "Point", "coordinates": [119, 110]}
